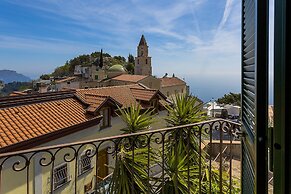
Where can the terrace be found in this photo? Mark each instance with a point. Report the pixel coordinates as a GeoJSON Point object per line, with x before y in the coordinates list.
{"type": "Point", "coordinates": [207, 148]}
{"type": "Point", "coordinates": [210, 164]}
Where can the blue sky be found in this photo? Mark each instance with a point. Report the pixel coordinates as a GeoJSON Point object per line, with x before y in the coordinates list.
{"type": "Point", "coordinates": [198, 40]}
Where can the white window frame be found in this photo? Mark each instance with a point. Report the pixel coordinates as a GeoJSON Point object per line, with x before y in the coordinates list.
{"type": "Point", "coordinates": [63, 180]}
{"type": "Point", "coordinates": [83, 169]}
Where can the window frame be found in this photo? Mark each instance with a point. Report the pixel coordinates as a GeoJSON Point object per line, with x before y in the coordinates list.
{"type": "Point", "coordinates": [84, 154]}
{"type": "Point", "coordinates": [67, 179]}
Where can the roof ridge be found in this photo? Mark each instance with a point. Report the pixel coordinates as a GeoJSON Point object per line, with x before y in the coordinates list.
{"type": "Point", "coordinates": [120, 86]}
{"type": "Point", "coordinates": [13, 101]}
{"type": "Point", "coordinates": [99, 95]}
{"type": "Point", "coordinates": [149, 89]}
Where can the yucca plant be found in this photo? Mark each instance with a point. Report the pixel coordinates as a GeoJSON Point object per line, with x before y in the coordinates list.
{"type": "Point", "coordinates": [183, 154]}
{"type": "Point", "coordinates": [130, 174]}
{"type": "Point", "coordinates": [186, 110]}
{"type": "Point", "coordinates": [177, 171]}
{"type": "Point", "coordinates": [136, 119]}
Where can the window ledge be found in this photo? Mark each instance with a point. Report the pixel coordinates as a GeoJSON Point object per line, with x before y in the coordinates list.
{"type": "Point", "coordinates": [62, 185]}
{"type": "Point", "coordinates": [86, 171]}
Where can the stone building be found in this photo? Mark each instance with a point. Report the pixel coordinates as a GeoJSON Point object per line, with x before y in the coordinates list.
{"type": "Point", "coordinates": [126, 79]}
{"type": "Point", "coordinates": [143, 64]}
{"type": "Point", "coordinates": [170, 86]}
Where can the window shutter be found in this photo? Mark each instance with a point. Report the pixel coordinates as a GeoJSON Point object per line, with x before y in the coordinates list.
{"type": "Point", "coordinates": [254, 95]}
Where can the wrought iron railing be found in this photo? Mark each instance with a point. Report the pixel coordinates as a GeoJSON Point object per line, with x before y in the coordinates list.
{"type": "Point", "coordinates": [210, 151]}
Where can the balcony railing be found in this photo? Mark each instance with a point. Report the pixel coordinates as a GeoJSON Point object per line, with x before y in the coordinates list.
{"type": "Point", "coordinates": [198, 158]}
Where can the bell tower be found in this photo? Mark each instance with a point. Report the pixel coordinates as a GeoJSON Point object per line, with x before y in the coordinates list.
{"type": "Point", "coordinates": [143, 64]}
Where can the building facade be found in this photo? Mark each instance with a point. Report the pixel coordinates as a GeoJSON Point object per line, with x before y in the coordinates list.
{"type": "Point", "coordinates": [143, 64]}
{"type": "Point", "coordinates": [38, 120]}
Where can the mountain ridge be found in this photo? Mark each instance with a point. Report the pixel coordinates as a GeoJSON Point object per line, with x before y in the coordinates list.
{"type": "Point", "coordinates": [8, 76]}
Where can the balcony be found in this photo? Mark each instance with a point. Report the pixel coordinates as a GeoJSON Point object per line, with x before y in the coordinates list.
{"type": "Point", "coordinates": [201, 157]}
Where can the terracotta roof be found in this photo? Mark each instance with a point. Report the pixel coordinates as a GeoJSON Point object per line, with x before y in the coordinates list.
{"type": "Point", "coordinates": [66, 79]}
{"type": "Point", "coordinates": [121, 94]}
{"type": "Point", "coordinates": [17, 93]}
{"type": "Point", "coordinates": [129, 78]}
{"type": "Point", "coordinates": [32, 118]}
{"type": "Point", "coordinates": [34, 98]}
{"type": "Point", "coordinates": [25, 122]}
{"type": "Point", "coordinates": [96, 101]}
{"type": "Point", "coordinates": [171, 81]}
{"type": "Point", "coordinates": [143, 94]}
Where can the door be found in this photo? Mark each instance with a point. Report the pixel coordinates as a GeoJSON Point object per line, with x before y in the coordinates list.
{"type": "Point", "coordinates": [102, 164]}
{"type": "Point", "coordinates": [254, 95]}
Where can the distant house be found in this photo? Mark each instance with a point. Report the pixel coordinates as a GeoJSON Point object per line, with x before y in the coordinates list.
{"type": "Point", "coordinates": [68, 82]}
{"type": "Point", "coordinates": [216, 110]}
{"type": "Point", "coordinates": [53, 118]}
{"type": "Point", "coordinates": [232, 110]}
{"type": "Point", "coordinates": [213, 109]}
{"type": "Point", "coordinates": [173, 85]}
{"type": "Point", "coordinates": [146, 80]}
{"type": "Point", "coordinates": [43, 86]}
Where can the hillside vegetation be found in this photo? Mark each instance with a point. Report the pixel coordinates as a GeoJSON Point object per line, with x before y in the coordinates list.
{"type": "Point", "coordinates": [15, 86]}
{"type": "Point", "coordinates": [231, 98]}
{"type": "Point", "coordinates": [87, 60]}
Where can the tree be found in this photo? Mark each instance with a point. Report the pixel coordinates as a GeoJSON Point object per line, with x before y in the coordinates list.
{"type": "Point", "coordinates": [130, 68]}
{"type": "Point", "coordinates": [62, 71]}
{"type": "Point", "coordinates": [130, 58]}
{"type": "Point", "coordinates": [130, 64]}
{"type": "Point", "coordinates": [231, 98]}
{"type": "Point", "coordinates": [45, 76]}
{"type": "Point", "coordinates": [120, 58]}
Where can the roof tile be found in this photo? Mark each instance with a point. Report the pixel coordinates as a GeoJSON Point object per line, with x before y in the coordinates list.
{"type": "Point", "coordinates": [171, 81]}
{"type": "Point", "coordinates": [129, 78]}
{"type": "Point", "coordinates": [31, 121]}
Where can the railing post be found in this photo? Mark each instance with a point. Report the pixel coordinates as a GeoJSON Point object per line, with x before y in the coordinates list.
{"type": "Point", "coordinates": [1, 179]}
{"type": "Point", "coordinates": [220, 157]}
{"type": "Point", "coordinates": [188, 158]}
{"type": "Point", "coordinates": [210, 158]}
{"type": "Point", "coordinates": [200, 161]}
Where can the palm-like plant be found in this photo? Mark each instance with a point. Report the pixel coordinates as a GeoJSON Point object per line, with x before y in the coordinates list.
{"type": "Point", "coordinates": [182, 165]}
{"type": "Point", "coordinates": [136, 119]}
{"type": "Point", "coordinates": [130, 175]}
{"type": "Point", "coordinates": [185, 110]}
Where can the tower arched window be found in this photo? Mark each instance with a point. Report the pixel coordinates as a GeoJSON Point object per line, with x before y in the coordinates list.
{"type": "Point", "coordinates": [146, 61]}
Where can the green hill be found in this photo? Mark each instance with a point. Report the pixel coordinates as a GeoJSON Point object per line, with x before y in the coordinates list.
{"type": "Point", "coordinates": [87, 60]}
